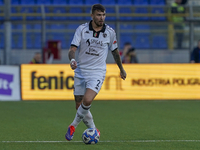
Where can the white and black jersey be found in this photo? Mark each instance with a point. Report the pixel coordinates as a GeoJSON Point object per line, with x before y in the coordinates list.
{"type": "Point", "coordinates": [93, 48]}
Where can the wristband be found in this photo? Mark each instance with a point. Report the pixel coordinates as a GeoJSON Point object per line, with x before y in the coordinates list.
{"type": "Point", "coordinates": [72, 60]}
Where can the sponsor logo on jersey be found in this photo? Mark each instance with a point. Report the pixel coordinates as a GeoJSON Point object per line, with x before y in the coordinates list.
{"type": "Point", "coordinates": [97, 42]}
{"type": "Point", "coordinates": [87, 32]}
{"type": "Point", "coordinates": [93, 41]}
{"type": "Point", "coordinates": [92, 50]}
{"type": "Point", "coordinates": [88, 41]}
{"type": "Point", "coordinates": [94, 54]}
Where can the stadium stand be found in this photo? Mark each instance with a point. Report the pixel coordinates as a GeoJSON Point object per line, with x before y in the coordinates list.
{"type": "Point", "coordinates": [39, 11]}
{"type": "Point", "coordinates": [75, 10]}
{"type": "Point", "coordinates": [142, 42]}
{"type": "Point", "coordinates": [1, 2]}
{"type": "Point", "coordinates": [76, 2]}
{"type": "Point", "coordinates": [108, 2]}
{"type": "Point", "coordinates": [1, 26]}
{"type": "Point", "coordinates": [72, 26]}
{"type": "Point", "coordinates": [158, 11]}
{"type": "Point", "coordinates": [143, 39]}
{"type": "Point", "coordinates": [33, 40]}
{"type": "Point", "coordinates": [29, 26]}
{"type": "Point", "coordinates": [142, 29]}
{"type": "Point", "coordinates": [44, 2]}
{"type": "Point", "coordinates": [27, 2]}
{"type": "Point", "coordinates": [1, 11]}
{"type": "Point", "coordinates": [38, 41]}
{"type": "Point", "coordinates": [58, 10]}
{"type": "Point", "coordinates": [28, 10]}
{"type": "Point", "coordinates": [59, 2]}
{"type": "Point", "coordinates": [58, 26]}
{"type": "Point", "coordinates": [125, 10]}
{"type": "Point", "coordinates": [157, 2]}
{"type": "Point", "coordinates": [110, 10]}
{"type": "Point", "coordinates": [2, 39]}
{"type": "Point", "coordinates": [124, 2]}
{"type": "Point", "coordinates": [141, 11]}
{"type": "Point", "coordinates": [126, 35]}
{"type": "Point", "coordinates": [159, 42]}
{"type": "Point", "coordinates": [17, 40]}
{"type": "Point", "coordinates": [126, 26]}
{"type": "Point", "coordinates": [88, 11]}
{"type": "Point", "coordinates": [15, 10]}
{"type": "Point", "coordinates": [140, 2]}
{"type": "Point", "coordinates": [112, 26]}
{"type": "Point", "coordinates": [15, 2]}
{"type": "Point", "coordinates": [17, 26]}
{"type": "Point", "coordinates": [91, 2]}
{"type": "Point", "coordinates": [37, 26]}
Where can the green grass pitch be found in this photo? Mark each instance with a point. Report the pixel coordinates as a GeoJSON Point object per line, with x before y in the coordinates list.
{"type": "Point", "coordinates": [124, 125]}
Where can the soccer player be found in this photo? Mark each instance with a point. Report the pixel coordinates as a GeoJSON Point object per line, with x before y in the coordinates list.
{"type": "Point", "coordinates": [94, 39]}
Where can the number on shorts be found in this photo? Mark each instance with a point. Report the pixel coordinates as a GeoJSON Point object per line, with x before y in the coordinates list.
{"type": "Point", "coordinates": [97, 87]}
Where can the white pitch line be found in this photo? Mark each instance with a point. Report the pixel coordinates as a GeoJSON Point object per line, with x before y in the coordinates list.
{"type": "Point", "coordinates": [128, 141]}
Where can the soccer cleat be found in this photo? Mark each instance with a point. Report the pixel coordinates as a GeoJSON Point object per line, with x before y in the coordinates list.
{"type": "Point", "coordinates": [70, 133]}
{"type": "Point", "coordinates": [98, 131]}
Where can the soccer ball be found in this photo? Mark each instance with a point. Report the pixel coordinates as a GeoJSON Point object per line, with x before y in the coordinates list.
{"type": "Point", "coordinates": [90, 136]}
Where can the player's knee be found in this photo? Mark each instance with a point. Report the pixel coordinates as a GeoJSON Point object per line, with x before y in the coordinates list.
{"type": "Point", "coordinates": [87, 102]}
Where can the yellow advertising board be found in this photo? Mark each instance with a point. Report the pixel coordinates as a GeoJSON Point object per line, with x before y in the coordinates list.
{"type": "Point", "coordinates": [143, 82]}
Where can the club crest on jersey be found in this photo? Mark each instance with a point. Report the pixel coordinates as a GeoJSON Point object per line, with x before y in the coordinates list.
{"type": "Point", "coordinates": [95, 34]}
{"type": "Point", "coordinates": [104, 35]}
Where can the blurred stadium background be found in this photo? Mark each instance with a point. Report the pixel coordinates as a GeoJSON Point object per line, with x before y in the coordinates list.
{"type": "Point", "coordinates": [26, 26]}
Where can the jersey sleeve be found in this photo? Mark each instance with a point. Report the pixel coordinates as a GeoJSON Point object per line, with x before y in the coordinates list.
{"type": "Point", "coordinates": [113, 41]}
{"type": "Point", "coordinates": [77, 37]}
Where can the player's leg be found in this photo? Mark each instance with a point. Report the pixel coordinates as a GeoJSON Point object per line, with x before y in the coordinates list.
{"type": "Point", "coordinates": [79, 90]}
{"type": "Point", "coordinates": [78, 100]}
{"type": "Point", "coordinates": [88, 119]}
{"type": "Point", "coordinates": [88, 98]}
{"type": "Point", "coordinates": [83, 110]}
{"type": "Point", "coordinates": [87, 101]}
{"type": "Point", "coordinates": [93, 86]}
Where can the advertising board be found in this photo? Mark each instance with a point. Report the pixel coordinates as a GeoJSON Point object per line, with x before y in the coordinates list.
{"type": "Point", "coordinates": [9, 83]}
{"type": "Point", "coordinates": [143, 82]}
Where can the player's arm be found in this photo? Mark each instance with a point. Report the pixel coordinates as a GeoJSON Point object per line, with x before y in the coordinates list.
{"type": "Point", "coordinates": [118, 61]}
{"type": "Point", "coordinates": [71, 55]}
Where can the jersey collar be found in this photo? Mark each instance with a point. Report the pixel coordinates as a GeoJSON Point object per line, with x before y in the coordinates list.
{"type": "Point", "coordinates": [91, 28]}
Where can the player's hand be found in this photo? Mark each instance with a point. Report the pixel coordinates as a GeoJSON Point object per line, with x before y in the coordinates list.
{"type": "Point", "coordinates": [123, 74]}
{"type": "Point", "coordinates": [73, 64]}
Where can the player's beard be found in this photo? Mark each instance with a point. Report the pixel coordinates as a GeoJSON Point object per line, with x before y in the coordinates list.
{"type": "Point", "coordinates": [98, 24]}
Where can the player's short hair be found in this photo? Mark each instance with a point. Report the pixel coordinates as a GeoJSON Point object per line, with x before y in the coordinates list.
{"type": "Point", "coordinates": [98, 7]}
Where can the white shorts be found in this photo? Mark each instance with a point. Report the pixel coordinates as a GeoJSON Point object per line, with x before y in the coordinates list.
{"type": "Point", "coordinates": [92, 82]}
